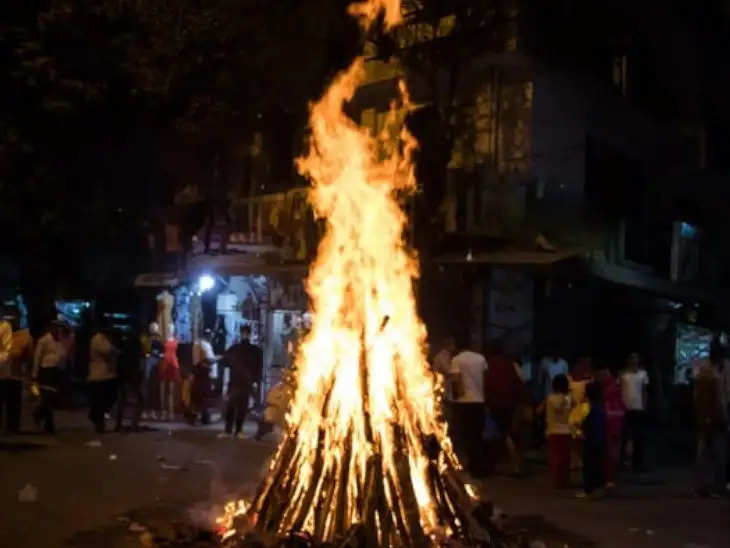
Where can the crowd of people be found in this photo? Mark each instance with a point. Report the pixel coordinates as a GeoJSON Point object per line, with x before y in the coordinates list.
{"type": "Point", "coordinates": [590, 417]}
{"type": "Point", "coordinates": [126, 373]}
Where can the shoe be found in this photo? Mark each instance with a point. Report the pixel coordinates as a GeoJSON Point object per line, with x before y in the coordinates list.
{"type": "Point", "coordinates": [224, 435]}
{"type": "Point", "coordinates": [240, 436]}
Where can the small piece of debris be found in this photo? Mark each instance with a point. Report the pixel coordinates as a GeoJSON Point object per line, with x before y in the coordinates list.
{"type": "Point", "coordinates": [650, 532]}
{"type": "Point", "coordinates": [93, 443]}
{"type": "Point", "coordinates": [633, 529]}
{"type": "Point", "coordinates": [135, 527]}
{"type": "Point", "coordinates": [537, 544]}
{"type": "Point", "coordinates": [112, 457]}
{"type": "Point", "coordinates": [204, 462]}
{"type": "Point", "coordinates": [29, 493]}
{"type": "Point", "coordinates": [147, 540]}
{"type": "Point", "coordinates": [123, 518]}
{"type": "Point", "coordinates": [166, 466]}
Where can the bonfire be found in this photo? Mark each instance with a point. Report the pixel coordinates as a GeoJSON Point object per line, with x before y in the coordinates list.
{"type": "Point", "coordinates": [365, 454]}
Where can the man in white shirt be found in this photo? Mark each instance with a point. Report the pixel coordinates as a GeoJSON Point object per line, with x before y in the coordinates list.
{"type": "Point", "coordinates": [551, 366]}
{"type": "Point", "coordinates": [634, 383]}
{"type": "Point", "coordinates": [466, 377]}
{"type": "Point", "coordinates": [50, 358]}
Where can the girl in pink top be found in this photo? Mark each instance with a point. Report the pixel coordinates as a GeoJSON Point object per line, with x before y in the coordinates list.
{"type": "Point", "coordinates": [613, 404]}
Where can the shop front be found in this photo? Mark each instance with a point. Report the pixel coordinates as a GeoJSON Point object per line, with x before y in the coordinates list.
{"type": "Point", "coordinates": [220, 294]}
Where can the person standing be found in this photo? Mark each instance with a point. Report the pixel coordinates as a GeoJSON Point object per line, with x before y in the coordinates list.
{"type": "Point", "coordinates": [712, 423]}
{"type": "Point", "coordinates": [48, 363]}
{"type": "Point", "coordinates": [551, 366]}
{"type": "Point", "coordinates": [7, 395]}
{"type": "Point", "coordinates": [557, 430]}
{"type": "Point", "coordinates": [466, 376]}
{"type": "Point", "coordinates": [442, 366]}
{"type": "Point", "coordinates": [245, 361]}
{"type": "Point", "coordinates": [130, 377]}
{"type": "Point", "coordinates": [594, 442]}
{"type": "Point", "coordinates": [103, 372]}
{"type": "Point", "coordinates": [505, 392]}
{"type": "Point", "coordinates": [152, 353]}
{"type": "Point", "coordinates": [204, 360]}
{"type": "Point", "coordinates": [613, 405]}
{"type": "Point", "coordinates": [20, 364]}
{"type": "Point", "coordinates": [634, 383]}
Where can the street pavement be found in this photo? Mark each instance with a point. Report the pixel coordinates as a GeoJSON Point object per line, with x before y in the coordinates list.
{"type": "Point", "coordinates": [120, 490]}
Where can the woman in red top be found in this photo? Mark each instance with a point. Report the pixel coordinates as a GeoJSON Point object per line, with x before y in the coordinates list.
{"type": "Point", "coordinates": [505, 394]}
{"type": "Point", "coordinates": [169, 375]}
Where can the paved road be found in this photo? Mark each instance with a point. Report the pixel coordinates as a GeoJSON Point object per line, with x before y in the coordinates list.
{"type": "Point", "coordinates": [86, 499]}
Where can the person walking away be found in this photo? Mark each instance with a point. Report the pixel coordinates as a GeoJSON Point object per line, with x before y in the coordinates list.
{"type": "Point", "coordinates": [504, 392]}
{"type": "Point", "coordinates": [169, 375]}
{"type": "Point", "coordinates": [204, 359]}
{"type": "Point", "coordinates": [557, 410]}
{"type": "Point", "coordinates": [551, 366]}
{"type": "Point", "coordinates": [712, 424]}
{"type": "Point", "coordinates": [634, 383]}
{"type": "Point", "coordinates": [466, 376]}
{"type": "Point", "coordinates": [103, 373]}
{"type": "Point", "coordinates": [613, 405]}
{"type": "Point", "coordinates": [594, 443]}
{"type": "Point", "coordinates": [48, 363]}
{"type": "Point", "coordinates": [245, 361]}
{"type": "Point", "coordinates": [20, 364]}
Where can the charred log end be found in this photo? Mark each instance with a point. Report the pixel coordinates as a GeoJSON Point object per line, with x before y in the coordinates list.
{"type": "Point", "coordinates": [431, 447]}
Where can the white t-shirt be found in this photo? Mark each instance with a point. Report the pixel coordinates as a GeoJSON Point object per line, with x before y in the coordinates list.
{"type": "Point", "coordinates": [551, 368]}
{"type": "Point", "coordinates": [471, 366]}
{"type": "Point", "coordinates": [632, 389]}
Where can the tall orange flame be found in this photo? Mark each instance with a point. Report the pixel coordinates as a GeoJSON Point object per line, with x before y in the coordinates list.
{"type": "Point", "coordinates": [365, 442]}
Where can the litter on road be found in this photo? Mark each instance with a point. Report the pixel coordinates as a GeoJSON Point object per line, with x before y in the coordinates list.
{"type": "Point", "coordinates": [135, 527]}
{"type": "Point", "coordinates": [29, 493]}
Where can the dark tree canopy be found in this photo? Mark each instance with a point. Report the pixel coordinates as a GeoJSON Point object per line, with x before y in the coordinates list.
{"type": "Point", "coordinates": [109, 104]}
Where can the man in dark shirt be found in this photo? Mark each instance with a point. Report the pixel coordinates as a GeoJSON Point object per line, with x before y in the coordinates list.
{"type": "Point", "coordinates": [246, 363]}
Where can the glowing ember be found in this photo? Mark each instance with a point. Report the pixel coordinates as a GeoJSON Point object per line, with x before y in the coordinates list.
{"type": "Point", "coordinates": [365, 441]}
